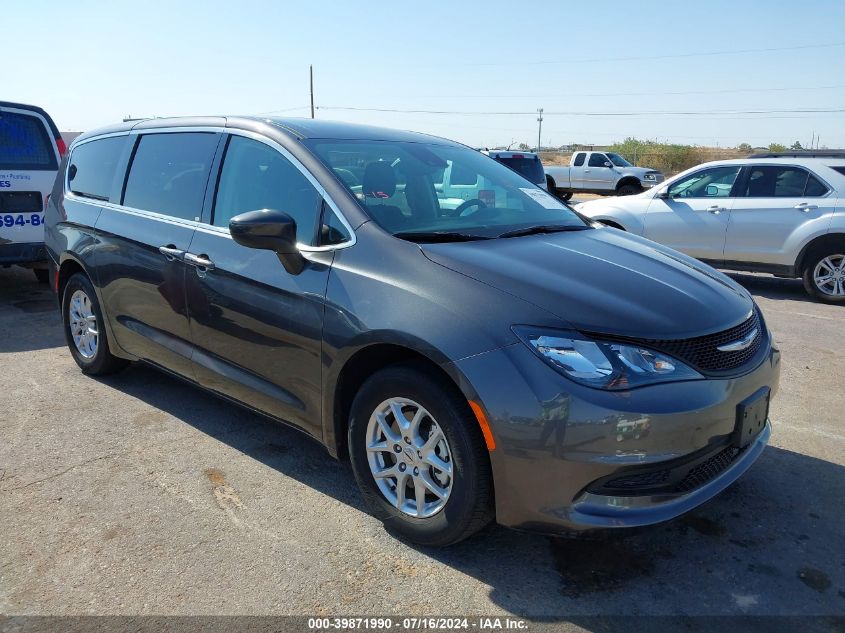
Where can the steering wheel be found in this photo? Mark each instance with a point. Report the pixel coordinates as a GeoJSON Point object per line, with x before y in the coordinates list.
{"type": "Point", "coordinates": [461, 210]}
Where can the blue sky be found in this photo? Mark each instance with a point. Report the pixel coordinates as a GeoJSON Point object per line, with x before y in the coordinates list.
{"type": "Point", "coordinates": [90, 63]}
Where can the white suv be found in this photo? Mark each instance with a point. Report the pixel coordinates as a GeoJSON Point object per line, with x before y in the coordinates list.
{"type": "Point", "coordinates": [780, 213]}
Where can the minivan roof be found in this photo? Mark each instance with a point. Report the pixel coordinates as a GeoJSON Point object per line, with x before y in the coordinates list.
{"type": "Point", "coordinates": [297, 127]}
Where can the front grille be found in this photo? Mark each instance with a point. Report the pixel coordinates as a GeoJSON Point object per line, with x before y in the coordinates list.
{"type": "Point", "coordinates": [707, 470]}
{"type": "Point", "coordinates": [640, 480]}
{"type": "Point", "coordinates": [701, 352]}
{"type": "Point", "coordinates": [677, 477]}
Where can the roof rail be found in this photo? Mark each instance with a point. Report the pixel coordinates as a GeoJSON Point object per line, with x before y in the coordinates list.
{"type": "Point", "coordinates": [807, 153]}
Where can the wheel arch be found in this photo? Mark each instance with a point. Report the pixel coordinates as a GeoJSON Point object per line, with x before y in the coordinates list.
{"type": "Point", "coordinates": [344, 383]}
{"type": "Point", "coordinates": [69, 265]}
{"type": "Point", "coordinates": [628, 180]}
{"type": "Point", "coordinates": [833, 240]}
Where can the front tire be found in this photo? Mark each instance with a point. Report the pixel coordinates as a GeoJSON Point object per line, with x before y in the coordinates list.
{"type": "Point", "coordinates": [84, 328]}
{"type": "Point", "coordinates": [824, 275]}
{"type": "Point", "coordinates": [628, 189]}
{"type": "Point", "coordinates": [419, 457]}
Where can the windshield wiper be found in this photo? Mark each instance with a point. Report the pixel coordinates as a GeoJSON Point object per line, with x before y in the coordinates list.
{"type": "Point", "coordinates": [438, 236]}
{"type": "Point", "coordinates": [543, 228]}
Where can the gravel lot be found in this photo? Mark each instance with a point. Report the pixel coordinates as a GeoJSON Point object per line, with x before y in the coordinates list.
{"type": "Point", "coordinates": [139, 494]}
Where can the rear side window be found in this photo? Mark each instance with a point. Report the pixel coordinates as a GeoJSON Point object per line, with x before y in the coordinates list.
{"type": "Point", "coordinates": [776, 181]}
{"type": "Point", "coordinates": [527, 166]}
{"type": "Point", "coordinates": [814, 187]}
{"type": "Point", "coordinates": [92, 167]}
{"type": "Point", "coordinates": [579, 159]}
{"type": "Point", "coordinates": [25, 143]}
{"type": "Point", "coordinates": [256, 176]}
{"type": "Point", "coordinates": [169, 173]}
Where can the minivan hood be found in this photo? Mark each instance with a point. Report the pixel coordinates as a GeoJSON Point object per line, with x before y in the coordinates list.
{"type": "Point", "coordinates": [604, 281]}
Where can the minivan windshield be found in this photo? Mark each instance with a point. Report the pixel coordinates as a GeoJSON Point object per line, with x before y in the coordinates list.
{"type": "Point", "coordinates": [432, 192]}
{"type": "Point", "coordinates": [617, 160]}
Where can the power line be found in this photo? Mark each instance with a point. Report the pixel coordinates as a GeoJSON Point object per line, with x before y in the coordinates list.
{"type": "Point", "coordinates": [625, 94]}
{"type": "Point", "coordinates": [588, 113]}
{"type": "Point", "coordinates": [596, 60]}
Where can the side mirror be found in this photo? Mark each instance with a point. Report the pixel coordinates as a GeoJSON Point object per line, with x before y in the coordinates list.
{"type": "Point", "coordinates": [270, 230]}
{"type": "Point", "coordinates": [663, 195]}
{"type": "Point", "coordinates": [607, 163]}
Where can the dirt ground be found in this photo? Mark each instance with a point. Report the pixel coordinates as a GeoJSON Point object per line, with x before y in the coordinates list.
{"type": "Point", "coordinates": [138, 494]}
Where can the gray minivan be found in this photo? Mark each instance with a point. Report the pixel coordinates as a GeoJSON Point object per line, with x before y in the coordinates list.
{"type": "Point", "coordinates": [499, 357]}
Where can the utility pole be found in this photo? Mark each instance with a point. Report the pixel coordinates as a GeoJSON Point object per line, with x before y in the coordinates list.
{"type": "Point", "coordinates": [311, 74]}
{"type": "Point", "coordinates": [540, 127]}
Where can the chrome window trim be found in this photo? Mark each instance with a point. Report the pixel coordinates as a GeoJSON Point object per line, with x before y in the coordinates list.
{"type": "Point", "coordinates": [203, 226]}
{"type": "Point", "coordinates": [830, 189]}
{"type": "Point", "coordinates": [152, 215]}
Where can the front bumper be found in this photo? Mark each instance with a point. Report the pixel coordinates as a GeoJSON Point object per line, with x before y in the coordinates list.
{"type": "Point", "coordinates": [22, 253]}
{"type": "Point", "coordinates": [557, 441]}
{"type": "Point", "coordinates": [648, 184]}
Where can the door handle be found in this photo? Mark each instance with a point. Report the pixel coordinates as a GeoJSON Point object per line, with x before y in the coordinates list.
{"type": "Point", "coordinates": [586, 171]}
{"type": "Point", "coordinates": [202, 262]}
{"type": "Point", "coordinates": [805, 207]}
{"type": "Point", "coordinates": [171, 253]}
{"type": "Point", "coordinates": [715, 209]}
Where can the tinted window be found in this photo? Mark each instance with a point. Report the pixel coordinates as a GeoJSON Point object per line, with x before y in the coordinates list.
{"type": "Point", "coordinates": [775, 181]}
{"type": "Point", "coordinates": [256, 176]}
{"type": "Point", "coordinates": [169, 173]}
{"type": "Point", "coordinates": [841, 170]}
{"type": "Point", "coordinates": [597, 160]}
{"type": "Point", "coordinates": [716, 182]}
{"type": "Point", "coordinates": [92, 167]}
{"type": "Point", "coordinates": [332, 230]}
{"type": "Point", "coordinates": [25, 143]}
{"type": "Point", "coordinates": [579, 159]}
{"type": "Point", "coordinates": [528, 166]}
{"type": "Point", "coordinates": [814, 187]}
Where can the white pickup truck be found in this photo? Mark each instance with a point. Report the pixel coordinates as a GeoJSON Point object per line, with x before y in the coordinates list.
{"type": "Point", "coordinates": [599, 172]}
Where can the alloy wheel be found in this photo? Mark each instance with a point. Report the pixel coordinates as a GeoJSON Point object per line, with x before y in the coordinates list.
{"type": "Point", "coordinates": [829, 275]}
{"type": "Point", "coordinates": [83, 324]}
{"type": "Point", "coordinates": [409, 457]}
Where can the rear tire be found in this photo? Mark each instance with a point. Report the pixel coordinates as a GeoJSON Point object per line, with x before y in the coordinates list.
{"type": "Point", "coordinates": [85, 332]}
{"type": "Point", "coordinates": [466, 485]}
{"type": "Point", "coordinates": [824, 274]}
{"type": "Point", "coordinates": [628, 189]}
{"type": "Point", "coordinates": [42, 275]}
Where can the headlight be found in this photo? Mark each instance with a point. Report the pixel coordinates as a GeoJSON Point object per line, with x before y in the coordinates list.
{"type": "Point", "coordinates": [650, 177]}
{"type": "Point", "coordinates": [604, 364]}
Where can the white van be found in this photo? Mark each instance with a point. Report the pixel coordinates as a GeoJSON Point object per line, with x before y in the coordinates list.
{"type": "Point", "coordinates": [30, 151]}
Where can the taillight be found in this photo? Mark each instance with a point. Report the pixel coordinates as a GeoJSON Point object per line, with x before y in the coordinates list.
{"type": "Point", "coordinates": [488, 197]}
{"type": "Point", "coordinates": [60, 143]}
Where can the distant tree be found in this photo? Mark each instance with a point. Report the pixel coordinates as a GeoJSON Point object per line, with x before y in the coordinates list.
{"type": "Point", "coordinates": [777, 147]}
{"type": "Point", "coordinates": [524, 147]}
{"type": "Point", "coordinates": [796, 145]}
{"type": "Point", "coordinates": [744, 147]}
